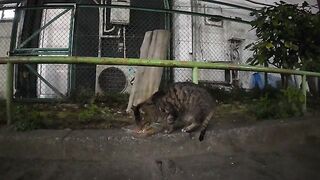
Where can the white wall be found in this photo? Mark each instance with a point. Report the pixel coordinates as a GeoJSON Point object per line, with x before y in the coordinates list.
{"type": "Point", "coordinates": [5, 33]}
{"type": "Point", "coordinates": [182, 39]}
{"type": "Point", "coordinates": [211, 43]}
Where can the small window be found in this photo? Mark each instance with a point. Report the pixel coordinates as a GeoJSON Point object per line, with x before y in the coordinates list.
{"type": "Point", "coordinates": [213, 21]}
{"type": "Point", "coordinates": [8, 14]}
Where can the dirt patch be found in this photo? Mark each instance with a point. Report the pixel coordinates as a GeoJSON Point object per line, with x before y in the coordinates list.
{"type": "Point", "coordinates": [105, 115]}
{"type": "Point", "coordinates": [72, 116]}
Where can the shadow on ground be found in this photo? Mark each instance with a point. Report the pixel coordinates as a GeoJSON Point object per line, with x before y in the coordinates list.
{"type": "Point", "coordinates": [300, 162]}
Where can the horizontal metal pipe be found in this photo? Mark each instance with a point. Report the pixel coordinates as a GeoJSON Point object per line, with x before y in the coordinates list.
{"type": "Point", "coordinates": [147, 62]}
{"type": "Point", "coordinates": [9, 1]}
{"type": "Point", "coordinates": [171, 11]}
{"type": "Point", "coordinates": [36, 53]}
{"type": "Point", "coordinates": [65, 6]}
{"type": "Point", "coordinates": [41, 49]}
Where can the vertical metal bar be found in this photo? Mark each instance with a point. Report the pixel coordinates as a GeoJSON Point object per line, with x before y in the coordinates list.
{"type": "Point", "coordinates": [10, 67]}
{"type": "Point", "coordinates": [100, 30]}
{"type": "Point", "coordinates": [71, 39]}
{"type": "Point", "coordinates": [124, 42]}
{"type": "Point", "coordinates": [194, 30]}
{"type": "Point", "coordinates": [45, 81]}
{"type": "Point", "coordinates": [304, 92]}
{"type": "Point", "coordinates": [71, 30]}
{"type": "Point", "coordinates": [195, 73]}
{"type": "Point", "coordinates": [167, 19]}
{"type": "Point", "coordinates": [14, 30]}
{"type": "Point", "coordinates": [9, 92]}
{"type": "Point", "coordinates": [166, 15]}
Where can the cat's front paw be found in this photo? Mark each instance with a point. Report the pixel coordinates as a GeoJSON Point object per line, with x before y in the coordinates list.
{"type": "Point", "coordinates": [184, 130]}
{"type": "Point", "coordinates": [168, 131]}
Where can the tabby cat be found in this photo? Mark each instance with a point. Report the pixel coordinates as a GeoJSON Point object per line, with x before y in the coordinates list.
{"type": "Point", "coordinates": [182, 104]}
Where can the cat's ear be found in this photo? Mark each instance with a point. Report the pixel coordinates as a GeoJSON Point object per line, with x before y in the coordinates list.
{"type": "Point", "coordinates": [148, 101]}
{"type": "Point", "coordinates": [134, 108]}
{"type": "Point", "coordinates": [157, 95]}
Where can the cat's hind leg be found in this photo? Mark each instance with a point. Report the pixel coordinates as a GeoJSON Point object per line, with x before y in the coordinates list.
{"type": "Point", "coordinates": [193, 126]}
{"type": "Point", "coordinates": [190, 123]}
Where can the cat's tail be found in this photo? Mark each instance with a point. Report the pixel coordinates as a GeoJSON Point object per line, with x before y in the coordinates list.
{"type": "Point", "coordinates": [204, 125]}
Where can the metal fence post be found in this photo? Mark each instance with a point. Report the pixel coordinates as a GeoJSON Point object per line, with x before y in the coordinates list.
{"type": "Point", "coordinates": [304, 91]}
{"type": "Point", "coordinates": [195, 73]}
{"type": "Point", "coordinates": [9, 92]}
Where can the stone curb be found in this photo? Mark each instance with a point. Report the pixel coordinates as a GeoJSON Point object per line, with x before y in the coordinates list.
{"type": "Point", "coordinates": [101, 145]}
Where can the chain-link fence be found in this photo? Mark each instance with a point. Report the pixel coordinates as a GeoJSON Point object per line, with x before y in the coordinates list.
{"type": "Point", "coordinates": [199, 32]}
{"type": "Point", "coordinates": [103, 31]}
{"type": "Point", "coordinates": [6, 17]}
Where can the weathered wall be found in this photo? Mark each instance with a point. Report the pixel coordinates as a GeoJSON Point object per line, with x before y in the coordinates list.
{"type": "Point", "coordinates": [5, 33]}
{"type": "Point", "coordinates": [196, 39]}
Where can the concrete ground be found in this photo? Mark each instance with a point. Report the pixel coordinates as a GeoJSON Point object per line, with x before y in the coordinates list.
{"type": "Point", "coordinates": [267, 150]}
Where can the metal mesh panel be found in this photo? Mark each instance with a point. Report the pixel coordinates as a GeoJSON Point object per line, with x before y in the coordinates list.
{"type": "Point", "coordinates": [5, 33]}
{"type": "Point", "coordinates": [101, 32]}
{"type": "Point", "coordinates": [198, 38]}
{"type": "Point", "coordinates": [55, 35]}
{"type": "Point", "coordinates": [105, 32]}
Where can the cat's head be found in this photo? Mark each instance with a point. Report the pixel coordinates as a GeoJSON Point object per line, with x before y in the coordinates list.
{"type": "Point", "coordinates": [147, 112]}
{"type": "Point", "coordinates": [142, 114]}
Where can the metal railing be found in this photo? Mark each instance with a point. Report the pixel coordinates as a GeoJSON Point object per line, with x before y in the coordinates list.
{"type": "Point", "coordinates": [10, 61]}
{"type": "Point", "coordinates": [199, 37]}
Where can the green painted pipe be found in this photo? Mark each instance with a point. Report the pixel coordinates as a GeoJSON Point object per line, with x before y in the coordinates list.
{"type": "Point", "coordinates": [138, 62]}
{"type": "Point", "coordinates": [9, 92]}
{"type": "Point", "coordinates": [304, 92]}
{"type": "Point", "coordinates": [40, 49]}
{"type": "Point", "coordinates": [195, 73]}
{"type": "Point", "coordinates": [147, 62]}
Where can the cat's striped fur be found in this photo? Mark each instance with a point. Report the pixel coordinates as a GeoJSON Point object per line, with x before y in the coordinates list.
{"type": "Point", "coordinates": [183, 103]}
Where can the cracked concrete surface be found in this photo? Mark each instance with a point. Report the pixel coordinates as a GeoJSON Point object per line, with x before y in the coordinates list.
{"type": "Point", "coordinates": [266, 150]}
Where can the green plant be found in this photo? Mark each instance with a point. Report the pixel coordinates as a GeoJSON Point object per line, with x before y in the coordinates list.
{"type": "Point", "coordinates": [288, 36]}
{"type": "Point", "coordinates": [90, 112]}
{"type": "Point", "coordinates": [292, 100]}
{"type": "Point", "coordinates": [25, 120]}
{"type": "Point", "coordinates": [285, 104]}
{"type": "Point", "coordinates": [113, 99]}
{"type": "Point", "coordinates": [83, 96]}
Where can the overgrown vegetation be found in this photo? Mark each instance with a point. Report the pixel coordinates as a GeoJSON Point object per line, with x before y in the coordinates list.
{"type": "Point", "coordinates": [269, 103]}
{"type": "Point", "coordinates": [24, 119]}
{"type": "Point", "coordinates": [283, 104]}
{"type": "Point", "coordinates": [108, 112]}
{"type": "Point", "coordinates": [289, 37]}
{"type": "Point", "coordinates": [235, 106]}
{"type": "Point", "coordinates": [86, 96]}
